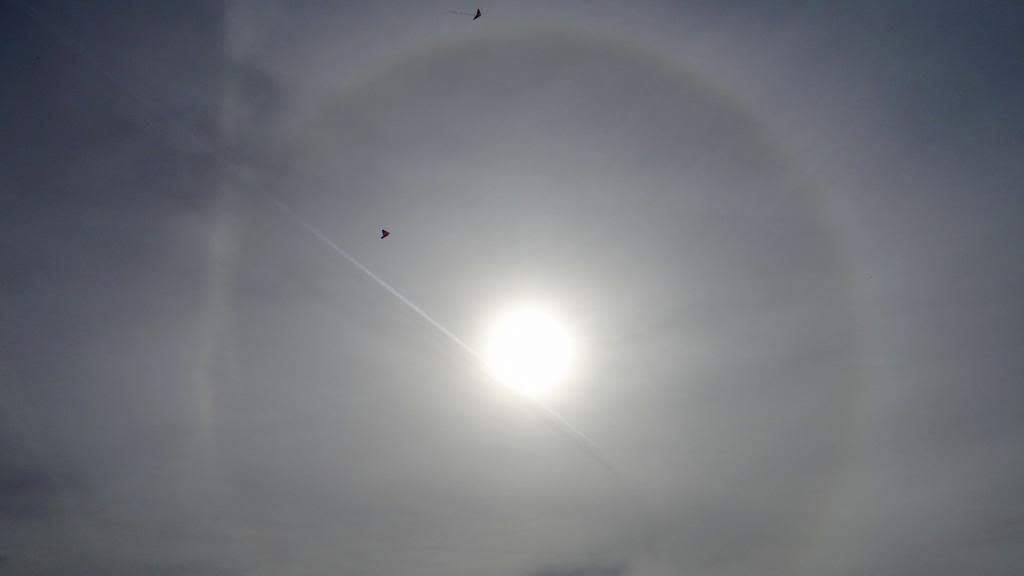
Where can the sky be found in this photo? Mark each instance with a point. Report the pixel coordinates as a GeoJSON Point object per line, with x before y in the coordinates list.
{"type": "Point", "coordinates": [786, 239]}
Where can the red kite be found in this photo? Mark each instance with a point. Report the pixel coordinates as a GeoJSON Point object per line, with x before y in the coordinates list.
{"type": "Point", "coordinates": [384, 234]}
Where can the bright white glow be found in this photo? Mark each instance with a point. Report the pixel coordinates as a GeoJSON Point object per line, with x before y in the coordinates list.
{"type": "Point", "coordinates": [529, 350]}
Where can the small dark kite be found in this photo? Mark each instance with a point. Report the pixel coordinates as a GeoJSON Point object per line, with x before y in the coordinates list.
{"type": "Point", "coordinates": [384, 234]}
{"type": "Point", "coordinates": [478, 14]}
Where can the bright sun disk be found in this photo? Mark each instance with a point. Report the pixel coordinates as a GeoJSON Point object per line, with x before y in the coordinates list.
{"type": "Point", "coordinates": [529, 350]}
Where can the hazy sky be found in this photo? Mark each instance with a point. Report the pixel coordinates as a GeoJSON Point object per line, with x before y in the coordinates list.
{"type": "Point", "coordinates": [788, 238]}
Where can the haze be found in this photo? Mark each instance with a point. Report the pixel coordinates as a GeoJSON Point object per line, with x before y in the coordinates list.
{"type": "Point", "coordinates": [786, 238]}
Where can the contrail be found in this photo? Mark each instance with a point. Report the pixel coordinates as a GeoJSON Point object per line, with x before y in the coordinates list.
{"type": "Point", "coordinates": [383, 284]}
{"type": "Point", "coordinates": [562, 424]}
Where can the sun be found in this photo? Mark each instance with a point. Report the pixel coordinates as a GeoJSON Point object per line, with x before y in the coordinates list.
{"type": "Point", "coordinates": [529, 350]}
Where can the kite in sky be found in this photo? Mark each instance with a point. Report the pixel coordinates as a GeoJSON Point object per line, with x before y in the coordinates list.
{"type": "Point", "coordinates": [384, 234]}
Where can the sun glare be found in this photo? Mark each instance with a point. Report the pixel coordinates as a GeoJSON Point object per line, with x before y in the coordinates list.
{"type": "Point", "coordinates": [529, 350]}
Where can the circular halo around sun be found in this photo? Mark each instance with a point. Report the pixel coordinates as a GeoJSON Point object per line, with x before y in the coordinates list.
{"type": "Point", "coordinates": [529, 350]}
